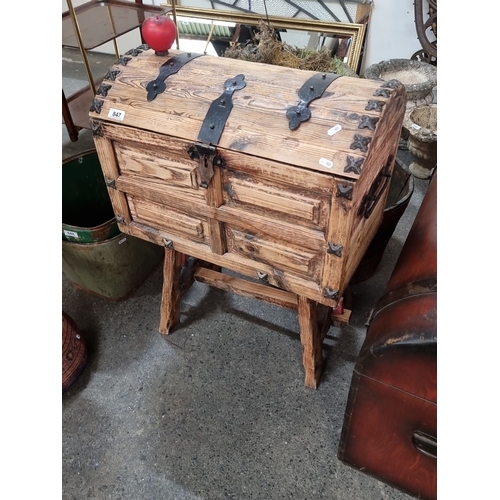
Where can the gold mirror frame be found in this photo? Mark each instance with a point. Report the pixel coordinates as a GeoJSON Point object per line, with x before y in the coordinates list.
{"type": "Point", "coordinates": [345, 30]}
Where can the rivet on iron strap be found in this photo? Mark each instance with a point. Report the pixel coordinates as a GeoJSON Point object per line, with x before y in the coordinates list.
{"type": "Point", "coordinates": [219, 111]}
{"type": "Point", "coordinates": [312, 89]}
{"type": "Point", "coordinates": [170, 67]}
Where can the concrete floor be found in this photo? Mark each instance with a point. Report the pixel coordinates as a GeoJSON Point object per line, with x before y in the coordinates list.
{"type": "Point", "coordinates": [218, 409]}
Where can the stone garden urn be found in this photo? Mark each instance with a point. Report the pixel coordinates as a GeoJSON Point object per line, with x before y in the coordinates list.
{"type": "Point", "coordinates": [421, 123]}
{"type": "Point", "coordinates": [418, 78]}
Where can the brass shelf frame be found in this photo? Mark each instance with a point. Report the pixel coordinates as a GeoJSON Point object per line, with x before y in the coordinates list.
{"type": "Point", "coordinates": [89, 35]}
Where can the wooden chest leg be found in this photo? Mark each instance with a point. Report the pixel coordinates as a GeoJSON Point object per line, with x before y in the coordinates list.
{"type": "Point", "coordinates": [171, 292]}
{"type": "Point", "coordinates": [312, 341]}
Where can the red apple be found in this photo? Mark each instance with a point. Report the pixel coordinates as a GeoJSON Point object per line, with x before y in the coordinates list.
{"type": "Point", "coordinates": [159, 32]}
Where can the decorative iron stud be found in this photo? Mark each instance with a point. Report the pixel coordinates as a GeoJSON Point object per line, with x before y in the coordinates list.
{"type": "Point", "coordinates": [103, 89]}
{"type": "Point", "coordinates": [110, 183]}
{"type": "Point", "coordinates": [369, 122]}
{"type": "Point", "coordinates": [263, 276]}
{"type": "Point", "coordinates": [330, 294]}
{"type": "Point", "coordinates": [96, 105]}
{"type": "Point", "coordinates": [120, 219]}
{"type": "Point", "coordinates": [334, 249]}
{"type": "Point", "coordinates": [382, 93]}
{"type": "Point", "coordinates": [133, 52]}
{"type": "Point", "coordinates": [344, 191]}
{"type": "Point", "coordinates": [219, 161]}
{"type": "Point", "coordinates": [123, 60]}
{"type": "Point", "coordinates": [354, 165]}
{"type": "Point", "coordinates": [112, 74]}
{"type": "Point", "coordinates": [360, 142]}
{"type": "Point", "coordinates": [376, 105]}
{"type": "Point", "coordinates": [96, 128]}
{"type": "Point", "coordinates": [391, 84]}
{"type": "Point", "coordinates": [168, 243]}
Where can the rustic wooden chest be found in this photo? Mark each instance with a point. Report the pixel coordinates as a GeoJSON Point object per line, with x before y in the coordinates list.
{"type": "Point", "coordinates": [274, 173]}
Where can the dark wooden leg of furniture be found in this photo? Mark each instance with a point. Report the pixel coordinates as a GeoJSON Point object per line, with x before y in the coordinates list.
{"type": "Point", "coordinates": [68, 120]}
{"type": "Point", "coordinates": [312, 341]}
{"type": "Point", "coordinates": [171, 292]}
{"type": "Point", "coordinates": [325, 320]}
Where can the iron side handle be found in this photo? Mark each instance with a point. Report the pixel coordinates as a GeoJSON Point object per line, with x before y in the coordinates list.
{"type": "Point", "coordinates": [425, 443]}
{"type": "Point", "coordinates": [376, 190]}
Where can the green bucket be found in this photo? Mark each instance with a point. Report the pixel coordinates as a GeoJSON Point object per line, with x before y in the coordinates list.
{"type": "Point", "coordinates": [87, 213]}
{"type": "Point", "coordinates": [110, 269]}
{"type": "Point", "coordinates": [96, 256]}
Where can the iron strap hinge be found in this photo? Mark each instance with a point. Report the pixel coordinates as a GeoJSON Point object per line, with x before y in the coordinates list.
{"type": "Point", "coordinates": [312, 89]}
{"type": "Point", "coordinates": [205, 151]}
{"type": "Point", "coordinates": [219, 111]}
{"type": "Point", "coordinates": [170, 67]}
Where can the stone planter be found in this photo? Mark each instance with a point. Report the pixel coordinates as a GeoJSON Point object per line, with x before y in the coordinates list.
{"type": "Point", "coordinates": [418, 78]}
{"type": "Point", "coordinates": [421, 123]}
{"type": "Point", "coordinates": [347, 71]}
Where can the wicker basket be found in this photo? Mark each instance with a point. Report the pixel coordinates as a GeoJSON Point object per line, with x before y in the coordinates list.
{"type": "Point", "coordinates": [74, 352]}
